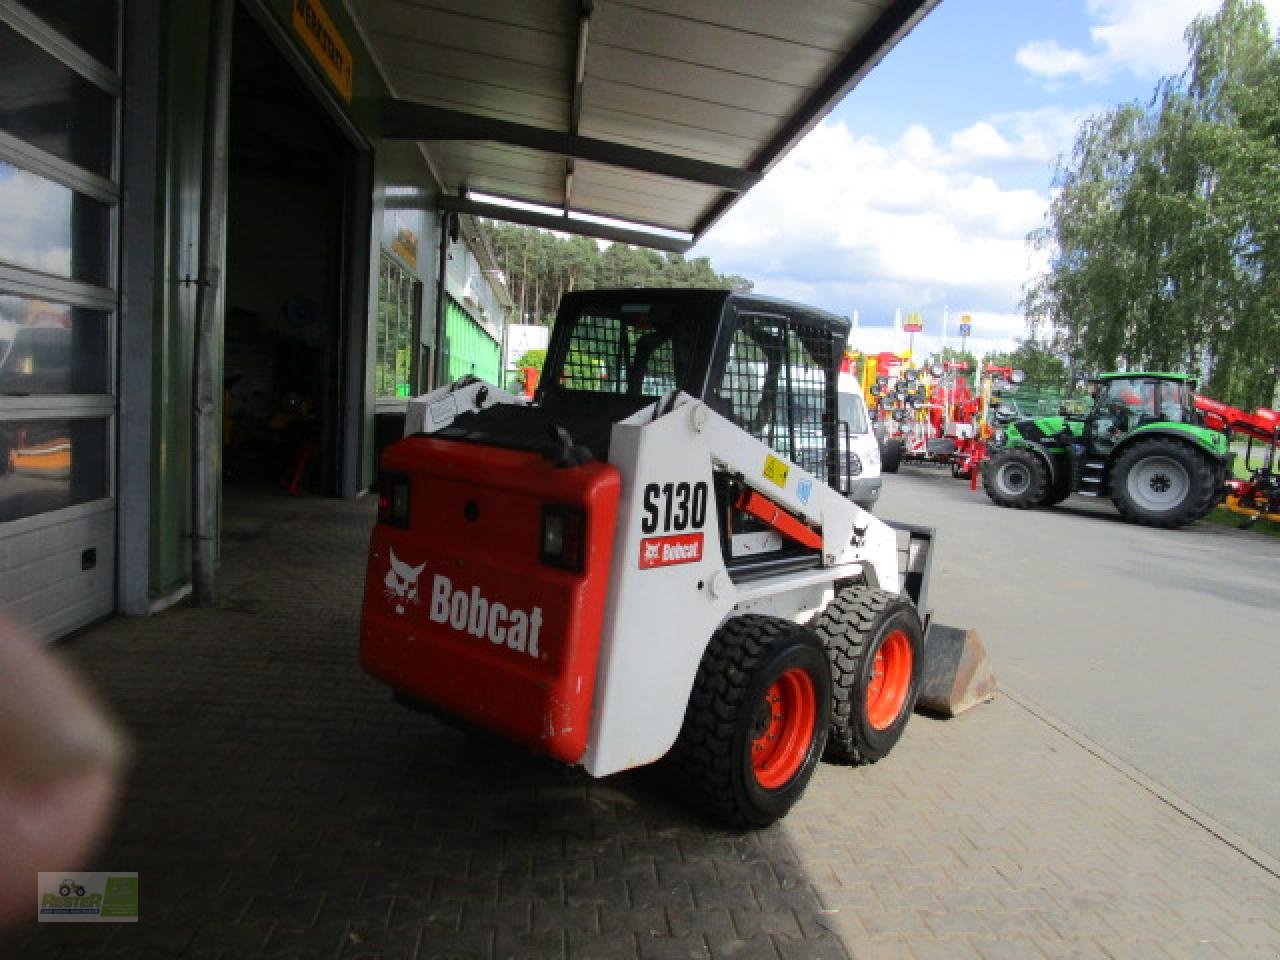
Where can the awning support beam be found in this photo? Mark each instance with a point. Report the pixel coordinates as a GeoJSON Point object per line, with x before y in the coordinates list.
{"type": "Point", "coordinates": [549, 221]}
{"type": "Point", "coordinates": [404, 120]}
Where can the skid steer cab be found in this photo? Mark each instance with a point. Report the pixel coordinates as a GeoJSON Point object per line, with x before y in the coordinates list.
{"type": "Point", "coordinates": [656, 559]}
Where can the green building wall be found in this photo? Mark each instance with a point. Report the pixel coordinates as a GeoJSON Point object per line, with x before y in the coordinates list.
{"type": "Point", "coordinates": [471, 349]}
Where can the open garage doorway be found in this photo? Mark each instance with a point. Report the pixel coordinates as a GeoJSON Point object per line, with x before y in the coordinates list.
{"type": "Point", "coordinates": [290, 181]}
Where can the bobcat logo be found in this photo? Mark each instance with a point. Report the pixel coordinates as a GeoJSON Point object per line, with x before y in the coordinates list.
{"type": "Point", "coordinates": [401, 583]}
{"type": "Point", "coordinates": [651, 552]}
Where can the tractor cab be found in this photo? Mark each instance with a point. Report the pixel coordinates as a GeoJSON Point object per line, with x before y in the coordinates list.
{"type": "Point", "coordinates": [1125, 402]}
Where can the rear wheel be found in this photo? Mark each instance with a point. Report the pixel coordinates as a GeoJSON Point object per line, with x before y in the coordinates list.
{"type": "Point", "coordinates": [891, 456]}
{"type": "Point", "coordinates": [1015, 478]}
{"type": "Point", "coordinates": [875, 644]}
{"type": "Point", "coordinates": [756, 722]}
{"type": "Point", "coordinates": [1163, 482]}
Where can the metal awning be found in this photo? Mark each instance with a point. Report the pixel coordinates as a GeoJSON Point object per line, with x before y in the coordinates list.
{"type": "Point", "coordinates": [659, 113]}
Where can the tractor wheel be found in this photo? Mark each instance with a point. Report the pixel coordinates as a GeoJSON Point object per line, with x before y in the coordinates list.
{"type": "Point", "coordinates": [65, 890]}
{"type": "Point", "coordinates": [891, 456]}
{"type": "Point", "coordinates": [756, 722]}
{"type": "Point", "coordinates": [958, 470]}
{"type": "Point", "coordinates": [1015, 478]}
{"type": "Point", "coordinates": [876, 647]}
{"type": "Point", "coordinates": [1061, 488]}
{"type": "Point", "coordinates": [1162, 482]}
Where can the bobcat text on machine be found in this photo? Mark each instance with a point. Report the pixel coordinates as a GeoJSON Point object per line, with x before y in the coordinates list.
{"type": "Point", "coordinates": [654, 559]}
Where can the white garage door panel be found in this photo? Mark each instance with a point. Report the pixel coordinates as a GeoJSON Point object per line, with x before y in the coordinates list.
{"type": "Point", "coordinates": [42, 584]}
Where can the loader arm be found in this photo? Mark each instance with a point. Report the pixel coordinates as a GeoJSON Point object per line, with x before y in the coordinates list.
{"type": "Point", "coordinates": [671, 586]}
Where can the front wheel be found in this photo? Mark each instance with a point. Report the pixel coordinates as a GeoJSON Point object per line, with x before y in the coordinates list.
{"type": "Point", "coordinates": [1015, 478]}
{"type": "Point", "coordinates": [756, 722]}
{"type": "Point", "coordinates": [1163, 482]}
{"type": "Point", "coordinates": [891, 457]}
{"type": "Point", "coordinates": [875, 644]}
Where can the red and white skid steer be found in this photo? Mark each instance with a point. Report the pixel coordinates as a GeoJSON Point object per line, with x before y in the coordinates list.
{"type": "Point", "coordinates": [652, 561]}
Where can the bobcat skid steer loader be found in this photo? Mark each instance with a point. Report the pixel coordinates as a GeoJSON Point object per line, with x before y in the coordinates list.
{"type": "Point", "coordinates": [652, 559]}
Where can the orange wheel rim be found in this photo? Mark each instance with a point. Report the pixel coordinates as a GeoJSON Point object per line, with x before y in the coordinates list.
{"type": "Point", "coordinates": [890, 680]}
{"type": "Point", "coordinates": [784, 727]}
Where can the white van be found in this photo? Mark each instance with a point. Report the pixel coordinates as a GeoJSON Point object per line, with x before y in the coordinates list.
{"type": "Point", "coordinates": [862, 476]}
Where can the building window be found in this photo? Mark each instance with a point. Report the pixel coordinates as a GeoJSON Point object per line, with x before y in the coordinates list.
{"type": "Point", "coordinates": [399, 297]}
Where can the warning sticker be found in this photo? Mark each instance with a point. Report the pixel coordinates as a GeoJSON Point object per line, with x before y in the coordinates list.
{"type": "Point", "coordinates": [776, 470]}
{"type": "Point", "coordinates": [666, 551]}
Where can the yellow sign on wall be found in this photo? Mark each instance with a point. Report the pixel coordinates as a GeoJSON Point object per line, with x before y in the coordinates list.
{"type": "Point", "coordinates": [318, 34]}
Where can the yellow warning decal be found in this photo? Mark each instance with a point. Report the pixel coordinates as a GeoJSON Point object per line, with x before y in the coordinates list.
{"type": "Point", "coordinates": [313, 26]}
{"type": "Point", "coordinates": [776, 470]}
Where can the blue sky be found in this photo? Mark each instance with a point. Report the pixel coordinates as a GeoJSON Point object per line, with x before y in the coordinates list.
{"type": "Point", "coordinates": [918, 191]}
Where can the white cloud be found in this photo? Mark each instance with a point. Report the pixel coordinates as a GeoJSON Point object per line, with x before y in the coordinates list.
{"type": "Point", "coordinates": [852, 223]}
{"type": "Point", "coordinates": [35, 218]}
{"type": "Point", "coordinates": [1143, 37]}
{"type": "Point", "coordinates": [1027, 136]}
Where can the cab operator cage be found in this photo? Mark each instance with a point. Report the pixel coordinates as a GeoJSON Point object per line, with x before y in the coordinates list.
{"type": "Point", "coordinates": [769, 366]}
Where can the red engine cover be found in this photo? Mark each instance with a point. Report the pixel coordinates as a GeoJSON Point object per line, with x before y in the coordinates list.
{"type": "Point", "coordinates": [461, 612]}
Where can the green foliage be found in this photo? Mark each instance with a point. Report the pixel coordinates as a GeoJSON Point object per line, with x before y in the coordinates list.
{"type": "Point", "coordinates": [532, 358]}
{"type": "Point", "coordinates": [541, 267]}
{"type": "Point", "coordinates": [1163, 233]}
{"type": "Point", "coordinates": [1039, 360]}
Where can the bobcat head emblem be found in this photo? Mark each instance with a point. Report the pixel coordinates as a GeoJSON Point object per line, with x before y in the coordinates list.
{"type": "Point", "coordinates": [401, 582]}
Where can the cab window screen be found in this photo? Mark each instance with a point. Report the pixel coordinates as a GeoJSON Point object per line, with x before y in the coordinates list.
{"type": "Point", "coordinates": [775, 385]}
{"type": "Point", "coordinates": [636, 349]}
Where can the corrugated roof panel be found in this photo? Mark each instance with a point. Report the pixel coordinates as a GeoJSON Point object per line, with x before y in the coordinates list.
{"type": "Point", "coordinates": [690, 41]}
{"type": "Point", "coordinates": [729, 82]}
{"type": "Point", "coordinates": [604, 96]}
{"type": "Point", "coordinates": [484, 99]}
{"type": "Point", "coordinates": [402, 53]}
{"type": "Point", "coordinates": [656, 134]}
{"type": "Point", "coordinates": [828, 24]}
{"type": "Point", "coordinates": [545, 45]}
{"type": "Point", "coordinates": [502, 170]}
{"type": "Point", "coordinates": [645, 71]}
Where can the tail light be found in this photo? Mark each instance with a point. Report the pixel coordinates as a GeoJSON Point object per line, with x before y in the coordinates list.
{"type": "Point", "coordinates": [393, 499]}
{"type": "Point", "coordinates": [563, 537]}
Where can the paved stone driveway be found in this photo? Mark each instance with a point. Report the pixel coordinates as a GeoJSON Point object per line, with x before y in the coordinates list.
{"type": "Point", "coordinates": [281, 806]}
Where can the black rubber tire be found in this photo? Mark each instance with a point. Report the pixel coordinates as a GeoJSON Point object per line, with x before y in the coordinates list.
{"type": "Point", "coordinates": [999, 475]}
{"type": "Point", "coordinates": [1182, 460]}
{"type": "Point", "coordinates": [1060, 489]}
{"type": "Point", "coordinates": [852, 627]}
{"type": "Point", "coordinates": [957, 471]}
{"type": "Point", "coordinates": [891, 456]}
{"type": "Point", "coordinates": [64, 890]}
{"type": "Point", "coordinates": [711, 761]}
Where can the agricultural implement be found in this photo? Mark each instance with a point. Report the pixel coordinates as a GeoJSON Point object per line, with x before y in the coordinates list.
{"type": "Point", "coordinates": [1258, 496]}
{"type": "Point", "coordinates": [933, 417]}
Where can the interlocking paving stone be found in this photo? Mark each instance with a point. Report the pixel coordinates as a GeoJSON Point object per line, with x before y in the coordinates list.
{"type": "Point", "coordinates": [282, 806]}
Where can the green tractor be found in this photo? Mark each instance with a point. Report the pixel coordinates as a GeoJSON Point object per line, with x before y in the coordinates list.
{"type": "Point", "coordinates": [1143, 445]}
